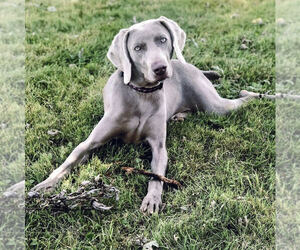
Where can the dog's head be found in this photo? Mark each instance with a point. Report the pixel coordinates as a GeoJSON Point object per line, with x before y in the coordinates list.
{"type": "Point", "coordinates": [143, 52]}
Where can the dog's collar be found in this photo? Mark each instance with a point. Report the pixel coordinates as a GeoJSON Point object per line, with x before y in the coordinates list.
{"type": "Point", "coordinates": [147, 90]}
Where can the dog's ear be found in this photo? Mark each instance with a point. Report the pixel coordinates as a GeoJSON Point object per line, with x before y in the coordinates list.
{"type": "Point", "coordinates": [118, 54]}
{"type": "Point", "coordinates": [177, 34]}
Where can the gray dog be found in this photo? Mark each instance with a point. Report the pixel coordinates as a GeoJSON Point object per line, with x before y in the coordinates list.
{"type": "Point", "coordinates": [147, 89]}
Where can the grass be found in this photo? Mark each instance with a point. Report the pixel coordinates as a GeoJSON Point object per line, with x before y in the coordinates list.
{"type": "Point", "coordinates": [12, 89]}
{"type": "Point", "coordinates": [227, 164]}
{"type": "Point", "coordinates": [287, 128]}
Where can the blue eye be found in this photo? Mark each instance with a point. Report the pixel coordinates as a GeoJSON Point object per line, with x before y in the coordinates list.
{"type": "Point", "coordinates": [163, 40]}
{"type": "Point", "coordinates": [137, 48]}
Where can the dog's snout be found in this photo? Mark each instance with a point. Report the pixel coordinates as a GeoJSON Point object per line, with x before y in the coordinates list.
{"type": "Point", "coordinates": [159, 69]}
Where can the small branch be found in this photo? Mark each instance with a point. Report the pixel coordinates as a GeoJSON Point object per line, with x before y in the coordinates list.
{"type": "Point", "coordinates": [280, 96]}
{"type": "Point", "coordinates": [130, 170]}
{"type": "Point", "coordinates": [244, 93]}
{"type": "Point", "coordinates": [88, 196]}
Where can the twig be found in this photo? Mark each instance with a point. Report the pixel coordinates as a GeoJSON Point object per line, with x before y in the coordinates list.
{"type": "Point", "coordinates": [244, 93]}
{"type": "Point", "coordinates": [280, 96]}
{"type": "Point", "coordinates": [130, 170]}
{"type": "Point", "coordinates": [88, 196]}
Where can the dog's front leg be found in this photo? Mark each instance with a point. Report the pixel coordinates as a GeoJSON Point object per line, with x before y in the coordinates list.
{"type": "Point", "coordinates": [104, 130]}
{"type": "Point", "coordinates": [152, 200]}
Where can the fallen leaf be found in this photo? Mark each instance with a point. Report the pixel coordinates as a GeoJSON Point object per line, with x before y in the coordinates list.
{"type": "Point", "coordinates": [140, 240]}
{"type": "Point", "coordinates": [258, 21]}
{"type": "Point", "coordinates": [51, 9]}
{"type": "Point", "coordinates": [244, 46]}
{"type": "Point", "coordinates": [97, 178]}
{"type": "Point", "coordinates": [175, 237]}
{"type": "Point", "coordinates": [246, 41]}
{"type": "Point", "coordinates": [281, 21]}
{"type": "Point", "coordinates": [53, 132]}
{"type": "Point", "coordinates": [150, 245]}
{"type": "Point", "coordinates": [212, 204]}
{"type": "Point", "coordinates": [184, 208]}
{"type": "Point", "coordinates": [235, 15]}
{"type": "Point", "coordinates": [203, 40]}
{"type": "Point", "coordinates": [3, 125]}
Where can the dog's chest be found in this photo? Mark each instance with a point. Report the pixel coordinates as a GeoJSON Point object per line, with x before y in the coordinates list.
{"type": "Point", "coordinates": [143, 121]}
{"type": "Point", "coordinates": [137, 130]}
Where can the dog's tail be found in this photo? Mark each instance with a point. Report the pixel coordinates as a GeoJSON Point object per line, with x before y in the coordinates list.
{"type": "Point", "coordinates": [211, 75]}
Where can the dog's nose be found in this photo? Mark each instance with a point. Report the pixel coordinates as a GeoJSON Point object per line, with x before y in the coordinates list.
{"type": "Point", "coordinates": [159, 70]}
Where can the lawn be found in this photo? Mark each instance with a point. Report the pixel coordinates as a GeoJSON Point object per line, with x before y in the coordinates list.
{"type": "Point", "coordinates": [12, 89]}
{"type": "Point", "coordinates": [226, 164]}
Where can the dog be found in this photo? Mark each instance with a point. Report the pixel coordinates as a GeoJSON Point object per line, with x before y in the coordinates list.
{"type": "Point", "coordinates": [148, 89]}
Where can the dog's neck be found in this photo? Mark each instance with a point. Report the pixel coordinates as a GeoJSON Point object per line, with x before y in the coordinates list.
{"type": "Point", "coordinates": [145, 89]}
{"type": "Point", "coordinates": [139, 84]}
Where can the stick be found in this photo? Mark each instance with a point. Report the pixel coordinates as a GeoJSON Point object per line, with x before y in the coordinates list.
{"type": "Point", "coordinates": [88, 196]}
{"type": "Point", "coordinates": [130, 170]}
{"type": "Point", "coordinates": [280, 96]}
{"type": "Point", "coordinates": [267, 96]}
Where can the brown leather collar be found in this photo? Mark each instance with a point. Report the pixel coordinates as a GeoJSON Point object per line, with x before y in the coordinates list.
{"type": "Point", "coordinates": [147, 90]}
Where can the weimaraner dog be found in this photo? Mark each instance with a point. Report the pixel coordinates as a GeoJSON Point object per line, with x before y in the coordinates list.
{"type": "Point", "coordinates": [147, 89]}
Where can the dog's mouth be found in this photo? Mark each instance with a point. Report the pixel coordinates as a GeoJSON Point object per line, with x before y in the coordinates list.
{"type": "Point", "coordinates": [161, 78]}
{"type": "Point", "coordinates": [157, 80]}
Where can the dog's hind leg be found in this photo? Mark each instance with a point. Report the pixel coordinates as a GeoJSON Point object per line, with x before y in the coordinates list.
{"type": "Point", "coordinates": [104, 130]}
{"type": "Point", "coordinates": [223, 106]}
{"type": "Point", "coordinates": [209, 101]}
{"type": "Point", "coordinates": [203, 96]}
{"type": "Point", "coordinates": [200, 94]}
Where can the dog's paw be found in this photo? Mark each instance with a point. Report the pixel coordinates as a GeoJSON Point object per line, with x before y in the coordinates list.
{"type": "Point", "coordinates": [179, 116]}
{"type": "Point", "coordinates": [151, 203]}
{"type": "Point", "coordinates": [244, 93]}
{"type": "Point", "coordinates": [45, 186]}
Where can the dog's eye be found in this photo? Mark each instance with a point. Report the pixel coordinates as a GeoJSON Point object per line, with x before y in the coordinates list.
{"type": "Point", "coordinates": [163, 40]}
{"type": "Point", "coordinates": [137, 48]}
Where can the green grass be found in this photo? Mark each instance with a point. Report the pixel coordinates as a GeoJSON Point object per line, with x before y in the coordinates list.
{"type": "Point", "coordinates": [287, 128]}
{"type": "Point", "coordinates": [227, 164]}
{"type": "Point", "coordinates": [12, 89]}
